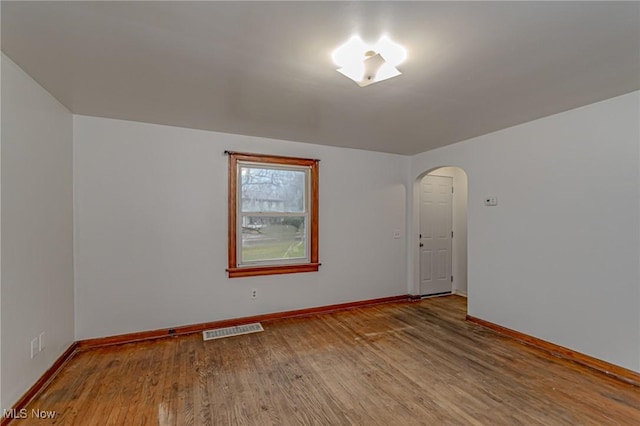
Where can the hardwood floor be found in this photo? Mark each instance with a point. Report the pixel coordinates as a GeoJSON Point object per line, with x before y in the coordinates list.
{"type": "Point", "coordinates": [393, 364]}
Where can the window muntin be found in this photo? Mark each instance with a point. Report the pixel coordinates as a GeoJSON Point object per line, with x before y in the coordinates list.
{"type": "Point", "coordinates": [273, 215]}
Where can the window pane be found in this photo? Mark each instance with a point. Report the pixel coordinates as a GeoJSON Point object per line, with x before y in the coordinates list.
{"type": "Point", "coordinates": [272, 190]}
{"type": "Point", "coordinates": [273, 238]}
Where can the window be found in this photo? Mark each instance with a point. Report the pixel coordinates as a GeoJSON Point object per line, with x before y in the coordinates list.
{"type": "Point", "coordinates": [273, 215]}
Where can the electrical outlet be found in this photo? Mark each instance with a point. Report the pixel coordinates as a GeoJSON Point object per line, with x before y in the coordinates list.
{"type": "Point", "coordinates": [491, 201]}
{"type": "Point", "coordinates": [34, 347]}
{"type": "Point", "coordinates": [396, 233]}
{"type": "Point", "coordinates": [41, 345]}
{"type": "Point", "coordinates": [254, 293]}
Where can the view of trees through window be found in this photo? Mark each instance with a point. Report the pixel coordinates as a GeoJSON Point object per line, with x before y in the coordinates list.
{"type": "Point", "coordinates": [273, 213]}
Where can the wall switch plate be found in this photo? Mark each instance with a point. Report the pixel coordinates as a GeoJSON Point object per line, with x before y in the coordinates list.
{"type": "Point", "coordinates": [491, 201]}
{"type": "Point", "coordinates": [41, 345]}
{"type": "Point", "coordinates": [34, 347]}
{"type": "Point", "coordinates": [396, 233]}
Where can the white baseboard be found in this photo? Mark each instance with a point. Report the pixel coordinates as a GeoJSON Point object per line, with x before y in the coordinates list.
{"type": "Point", "coordinates": [460, 293]}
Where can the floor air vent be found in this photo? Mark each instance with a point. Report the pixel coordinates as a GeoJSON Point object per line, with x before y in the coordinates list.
{"type": "Point", "coordinates": [237, 330]}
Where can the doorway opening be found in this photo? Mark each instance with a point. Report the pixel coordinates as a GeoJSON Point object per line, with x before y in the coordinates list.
{"type": "Point", "coordinates": [442, 232]}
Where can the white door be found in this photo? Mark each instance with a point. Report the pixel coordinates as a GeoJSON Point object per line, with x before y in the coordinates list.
{"type": "Point", "coordinates": [435, 235]}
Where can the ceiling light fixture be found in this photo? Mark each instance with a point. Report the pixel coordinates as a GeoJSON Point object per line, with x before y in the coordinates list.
{"type": "Point", "coordinates": [367, 64]}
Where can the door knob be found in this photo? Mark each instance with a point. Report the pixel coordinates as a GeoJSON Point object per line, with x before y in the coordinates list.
{"type": "Point", "coordinates": [421, 245]}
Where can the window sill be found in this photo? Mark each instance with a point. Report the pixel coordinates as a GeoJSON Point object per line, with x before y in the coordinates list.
{"type": "Point", "coordinates": [253, 271]}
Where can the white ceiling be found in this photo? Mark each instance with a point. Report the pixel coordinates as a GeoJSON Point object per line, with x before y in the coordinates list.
{"type": "Point", "coordinates": [264, 68]}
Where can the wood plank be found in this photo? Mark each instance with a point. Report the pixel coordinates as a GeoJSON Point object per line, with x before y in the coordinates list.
{"type": "Point", "coordinates": [197, 328]}
{"type": "Point", "coordinates": [396, 363]}
{"type": "Point", "coordinates": [604, 367]}
{"type": "Point", "coordinates": [42, 382]}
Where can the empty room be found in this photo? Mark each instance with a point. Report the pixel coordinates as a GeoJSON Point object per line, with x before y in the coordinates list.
{"type": "Point", "coordinates": [320, 213]}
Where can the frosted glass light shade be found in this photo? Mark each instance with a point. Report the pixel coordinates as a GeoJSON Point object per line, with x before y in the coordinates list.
{"type": "Point", "coordinates": [367, 64]}
{"type": "Point", "coordinates": [392, 52]}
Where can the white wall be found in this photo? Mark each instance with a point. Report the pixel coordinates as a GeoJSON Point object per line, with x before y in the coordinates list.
{"type": "Point", "coordinates": [151, 228]}
{"type": "Point", "coordinates": [36, 230]}
{"type": "Point", "coordinates": [459, 226]}
{"type": "Point", "coordinates": [558, 257]}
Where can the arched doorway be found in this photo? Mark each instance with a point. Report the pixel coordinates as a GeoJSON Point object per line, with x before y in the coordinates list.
{"type": "Point", "coordinates": [441, 252]}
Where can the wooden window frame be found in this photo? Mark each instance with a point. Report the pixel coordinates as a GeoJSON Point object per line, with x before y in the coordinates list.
{"type": "Point", "coordinates": [312, 265]}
